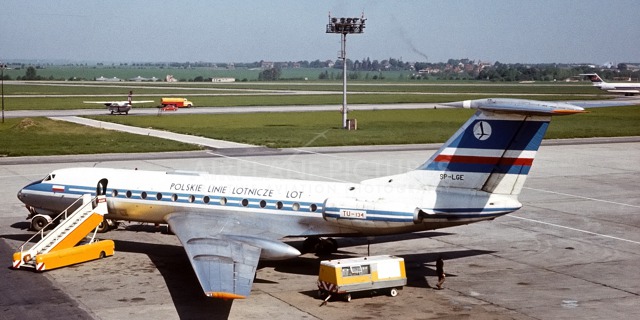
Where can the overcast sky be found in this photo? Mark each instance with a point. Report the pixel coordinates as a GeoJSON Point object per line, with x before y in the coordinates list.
{"type": "Point", "coordinates": [593, 31]}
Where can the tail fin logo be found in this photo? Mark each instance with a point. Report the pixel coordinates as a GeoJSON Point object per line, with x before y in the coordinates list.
{"type": "Point", "coordinates": [482, 130]}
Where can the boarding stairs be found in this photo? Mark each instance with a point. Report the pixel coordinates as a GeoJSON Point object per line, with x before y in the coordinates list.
{"type": "Point", "coordinates": [72, 229]}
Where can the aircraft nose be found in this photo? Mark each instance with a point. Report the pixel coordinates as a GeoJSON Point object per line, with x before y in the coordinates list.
{"type": "Point", "coordinates": [22, 196]}
{"type": "Point", "coordinates": [23, 193]}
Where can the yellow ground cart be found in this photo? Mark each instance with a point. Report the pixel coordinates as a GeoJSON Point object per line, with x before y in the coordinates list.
{"type": "Point", "coordinates": [374, 273]}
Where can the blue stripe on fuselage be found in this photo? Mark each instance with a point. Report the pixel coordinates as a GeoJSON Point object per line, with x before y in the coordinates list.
{"type": "Point", "coordinates": [183, 198]}
{"type": "Point", "coordinates": [474, 167]}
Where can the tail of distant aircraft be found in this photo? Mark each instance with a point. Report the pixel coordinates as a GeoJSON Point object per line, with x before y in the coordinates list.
{"type": "Point", "coordinates": [492, 152]}
{"type": "Point", "coordinates": [594, 77]}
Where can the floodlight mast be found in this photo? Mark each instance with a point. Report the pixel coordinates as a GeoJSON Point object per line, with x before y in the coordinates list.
{"type": "Point", "coordinates": [2, 67]}
{"type": "Point", "coordinates": [345, 26]}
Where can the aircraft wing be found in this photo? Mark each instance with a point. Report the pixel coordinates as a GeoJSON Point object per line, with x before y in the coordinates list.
{"type": "Point", "coordinates": [102, 102]}
{"type": "Point", "coordinates": [121, 102]}
{"type": "Point", "coordinates": [224, 252]}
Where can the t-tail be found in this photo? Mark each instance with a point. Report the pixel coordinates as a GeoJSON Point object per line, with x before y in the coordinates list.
{"type": "Point", "coordinates": [594, 77]}
{"type": "Point", "coordinates": [492, 152]}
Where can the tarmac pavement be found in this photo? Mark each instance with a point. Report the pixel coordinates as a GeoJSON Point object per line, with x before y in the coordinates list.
{"type": "Point", "coordinates": [571, 252]}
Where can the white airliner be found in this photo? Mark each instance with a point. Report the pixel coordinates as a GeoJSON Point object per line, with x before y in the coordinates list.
{"type": "Point", "coordinates": [227, 223]}
{"type": "Point", "coordinates": [120, 106]}
{"type": "Point", "coordinates": [628, 88]}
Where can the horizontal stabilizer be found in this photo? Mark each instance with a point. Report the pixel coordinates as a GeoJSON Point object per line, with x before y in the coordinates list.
{"type": "Point", "coordinates": [518, 106]}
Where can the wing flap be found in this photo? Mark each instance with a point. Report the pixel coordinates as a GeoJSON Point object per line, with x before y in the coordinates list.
{"type": "Point", "coordinates": [225, 267]}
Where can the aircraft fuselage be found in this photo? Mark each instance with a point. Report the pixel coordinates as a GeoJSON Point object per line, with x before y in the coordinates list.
{"type": "Point", "coordinates": [289, 207]}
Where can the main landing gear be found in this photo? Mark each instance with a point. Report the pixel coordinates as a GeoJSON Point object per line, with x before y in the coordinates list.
{"type": "Point", "coordinates": [321, 246]}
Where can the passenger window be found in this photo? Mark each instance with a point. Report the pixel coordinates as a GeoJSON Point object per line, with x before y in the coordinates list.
{"type": "Point", "coordinates": [313, 207]}
{"type": "Point", "coordinates": [263, 203]}
{"type": "Point", "coordinates": [295, 206]}
{"type": "Point", "coordinates": [206, 199]}
{"type": "Point", "coordinates": [114, 193]}
{"type": "Point", "coordinates": [223, 201]}
{"type": "Point", "coordinates": [128, 194]}
{"type": "Point", "coordinates": [143, 195]}
{"type": "Point", "coordinates": [159, 196]}
{"type": "Point", "coordinates": [279, 205]}
{"type": "Point", "coordinates": [174, 197]}
{"type": "Point", "coordinates": [245, 202]}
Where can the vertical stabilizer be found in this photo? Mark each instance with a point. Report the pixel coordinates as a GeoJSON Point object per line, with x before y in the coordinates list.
{"type": "Point", "coordinates": [492, 152]}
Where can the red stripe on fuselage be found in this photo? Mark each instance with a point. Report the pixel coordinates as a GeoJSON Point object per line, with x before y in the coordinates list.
{"type": "Point", "coordinates": [484, 160]}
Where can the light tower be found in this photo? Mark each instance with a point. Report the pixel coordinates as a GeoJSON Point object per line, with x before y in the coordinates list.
{"type": "Point", "coordinates": [2, 67]}
{"type": "Point", "coordinates": [345, 26]}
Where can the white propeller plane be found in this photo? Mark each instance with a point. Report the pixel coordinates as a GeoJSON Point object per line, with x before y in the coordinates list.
{"type": "Point", "coordinates": [227, 223]}
{"type": "Point", "coordinates": [120, 107]}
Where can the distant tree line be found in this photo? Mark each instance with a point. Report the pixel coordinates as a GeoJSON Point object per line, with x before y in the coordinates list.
{"type": "Point", "coordinates": [367, 69]}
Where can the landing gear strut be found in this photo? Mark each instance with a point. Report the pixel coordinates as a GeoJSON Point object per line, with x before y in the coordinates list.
{"type": "Point", "coordinates": [321, 247]}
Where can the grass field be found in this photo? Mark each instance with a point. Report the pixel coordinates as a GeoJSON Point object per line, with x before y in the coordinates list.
{"type": "Point", "coordinates": [297, 129]}
{"type": "Point", "coordinates": [70, 95]}
{"type": "Point", "coordinates": [40, 136]}
{"type": "Point", "coordinates": [184, 74]}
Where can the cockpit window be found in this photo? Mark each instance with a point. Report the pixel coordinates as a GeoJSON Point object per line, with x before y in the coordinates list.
{"type": "Point", "coordinates": [49, 177]}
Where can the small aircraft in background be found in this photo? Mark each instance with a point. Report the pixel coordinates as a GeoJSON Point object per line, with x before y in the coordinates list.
{"type": "Point", "coordinates": [628, 88]}
{"type": "Point", "coordinates": [120, 107]}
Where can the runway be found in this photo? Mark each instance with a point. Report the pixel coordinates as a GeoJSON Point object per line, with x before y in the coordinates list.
{"type": "Point", "coordinates": [571, 252]}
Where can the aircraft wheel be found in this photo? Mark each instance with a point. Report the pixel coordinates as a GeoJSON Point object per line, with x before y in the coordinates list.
{"type": "Point", "coordinates": [103, 226]}
{"type": "Point", "coordinates": [326, 247]}
{"type": "Point", "coordinates": [111, 111]}
{"type": "Point", "coordinates": [310, 244]}
{"type": "Point", "coordinates": [38, 223]}
{"type": "Point", "coordinates": [393, 292]}
{"type": "Point", "coordinates": [333, 243]}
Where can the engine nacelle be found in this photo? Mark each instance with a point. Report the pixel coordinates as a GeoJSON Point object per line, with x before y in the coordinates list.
{"type": "Point", "coordinates": [361, 213]}
{"type": "Point", "coordinates": [271, 249]}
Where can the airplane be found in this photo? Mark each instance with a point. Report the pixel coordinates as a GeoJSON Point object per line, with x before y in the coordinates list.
{"type": "Point", "coordinates": [628, 88]}
{"type": "Point", "coordinates": [120, 107]}
{"type": "Point", "coordinates": [226, 224]}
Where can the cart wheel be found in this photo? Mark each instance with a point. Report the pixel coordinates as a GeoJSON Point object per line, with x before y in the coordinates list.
{"type": "Point", "coordinates": [393, 292]}
{"type": "Point", "coordinates": [102, 255]}
{"type": "Point", "coordinates": [347, 297]}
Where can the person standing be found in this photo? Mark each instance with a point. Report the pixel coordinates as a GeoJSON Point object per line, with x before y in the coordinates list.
{"type": "Point", "coordinates": [440, 272]}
